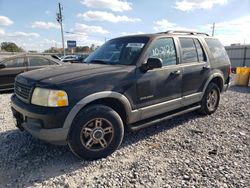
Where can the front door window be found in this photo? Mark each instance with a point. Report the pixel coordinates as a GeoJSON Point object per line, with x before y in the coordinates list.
{"type": "Point", "coordinates": [164, 49]}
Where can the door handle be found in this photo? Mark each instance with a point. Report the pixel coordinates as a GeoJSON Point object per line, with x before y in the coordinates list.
{"type": "Point", "coordinates": [177, 72]}
{"type": "Point", "coordinates": [206, 67]}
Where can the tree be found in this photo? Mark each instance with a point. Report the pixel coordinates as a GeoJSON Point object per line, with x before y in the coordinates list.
{"type": "Point", "coordinates": [92, 47]}
{"type": "Point", "coordinates": [82, 49]}
{"type": "Point", "coordinates": [85, 49]}
{"type": "Point", "coordinates": [52, 50]}
{"type": "Point", "coordinates": [10, 47]}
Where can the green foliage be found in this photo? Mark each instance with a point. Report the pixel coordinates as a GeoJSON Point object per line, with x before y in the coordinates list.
{"type": "Point", "coordinates": [10, 47]}
{"type": "Point", "coordinates": [78, 49]}
{"type": "Point", "coordinates": [84, 49]}
{"type": "Point", "coordinates": [53, 50]}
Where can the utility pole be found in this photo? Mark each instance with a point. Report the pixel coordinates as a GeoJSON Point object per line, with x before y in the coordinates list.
{"type": "Point", "coordinates": [59, 19]}
{"type": "Point", "coordinates": [213, 29]}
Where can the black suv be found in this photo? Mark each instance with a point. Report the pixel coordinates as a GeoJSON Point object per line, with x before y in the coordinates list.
{"type": "Point", "coordinates": [131, 81]}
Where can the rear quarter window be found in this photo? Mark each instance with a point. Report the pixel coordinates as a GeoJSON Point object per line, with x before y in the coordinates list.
{"type": "Point", "coordinates": [216, 48]}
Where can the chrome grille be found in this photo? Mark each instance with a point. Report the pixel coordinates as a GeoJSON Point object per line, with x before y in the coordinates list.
{"type": "Point", "coordinates": [22, 91]}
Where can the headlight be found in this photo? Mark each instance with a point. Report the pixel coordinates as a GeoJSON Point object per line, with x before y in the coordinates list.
{"type": "Point", "coordinates": [50, 98]}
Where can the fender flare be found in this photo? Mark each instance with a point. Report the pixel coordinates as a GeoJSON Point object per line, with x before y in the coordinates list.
{"type": "Point", "coordinates": [95, 96]}
{"type": "Point", "coordinates": [214, 75]}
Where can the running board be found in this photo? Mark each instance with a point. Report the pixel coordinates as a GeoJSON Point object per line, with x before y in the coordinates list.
{"type": "Point", "coordinates": [138, 126]}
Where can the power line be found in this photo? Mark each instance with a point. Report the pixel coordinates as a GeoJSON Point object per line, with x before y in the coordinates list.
{"type": "Point", "coordinates": [59, 19]}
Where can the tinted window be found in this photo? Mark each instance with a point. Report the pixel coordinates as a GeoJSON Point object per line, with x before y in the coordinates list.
{"type": "Point", "coordinates": [164, 49]}
{"type": "Point", "coordinates": [200, 51]}
{"type": "Point", "coordinates": [188, 49]}
{"type": "Point", "coordinates": [18, 62]}
{"type": "Point", "coordinates": [216, 48]}
{"type": "Point", "coordinates": [38, 61]}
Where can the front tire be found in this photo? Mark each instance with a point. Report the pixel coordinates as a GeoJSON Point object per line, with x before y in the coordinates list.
{"type": "Point", "coordinates": [210, 100]}
{"type": "Point", "coordinates": [96, 132]}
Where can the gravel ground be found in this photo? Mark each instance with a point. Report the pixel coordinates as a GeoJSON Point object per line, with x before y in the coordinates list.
{"type": "Point", "coordinates": [187, 151]}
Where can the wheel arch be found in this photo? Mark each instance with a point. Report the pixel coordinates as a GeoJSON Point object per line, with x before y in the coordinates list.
{"type": "Point", "coordinates": [113, 103]}
{"type": "Point", "coordinates": [114, 100]}
{"type": "Point", "coordinates": [218, 81]}
{"type": "Point", "coordinates": [216, 78]}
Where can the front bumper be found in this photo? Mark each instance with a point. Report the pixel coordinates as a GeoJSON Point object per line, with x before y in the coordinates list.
{"type": "Point", "coordinates": [54, 136]}
{"type": "Point", "coordinates": [38, 122]}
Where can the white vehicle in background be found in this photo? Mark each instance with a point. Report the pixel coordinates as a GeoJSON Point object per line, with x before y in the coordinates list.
{"type": "Point", "coordinates": [74, 58]}
{"type": "Point", "coordinates": [69, 58]}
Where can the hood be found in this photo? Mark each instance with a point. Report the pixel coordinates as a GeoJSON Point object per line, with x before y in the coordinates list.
{"type": "Point", "coordinates": [64, 73]}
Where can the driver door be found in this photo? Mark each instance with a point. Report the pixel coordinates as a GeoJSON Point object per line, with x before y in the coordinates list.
{"type": "Point", "coordinates": [159, 90]}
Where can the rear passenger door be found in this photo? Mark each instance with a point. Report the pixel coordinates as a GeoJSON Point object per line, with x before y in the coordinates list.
{"type": "Point", "coordinates": [37, 63]}
{"type": "Point", "coordinates": [194, 64]}
{"type": "Point", "coordinates": [158, 86]}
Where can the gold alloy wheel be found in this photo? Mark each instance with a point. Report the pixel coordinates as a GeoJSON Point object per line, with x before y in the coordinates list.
{"type": "Point", "coordinates": [97, 134]}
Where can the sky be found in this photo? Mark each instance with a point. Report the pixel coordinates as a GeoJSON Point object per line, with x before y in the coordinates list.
{"type": "Point", "coordinates": [32, 24]}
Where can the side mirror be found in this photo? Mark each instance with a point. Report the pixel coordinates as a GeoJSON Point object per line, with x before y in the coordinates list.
{"type": "Point", "coordinates": [152, 63]}
{"type": "Point", "coordinates": [2, 65]}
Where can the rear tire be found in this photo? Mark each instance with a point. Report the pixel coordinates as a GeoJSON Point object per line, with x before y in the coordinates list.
{"type": "Point", "coordinates": [210, 100]}
{"type": "Point", "coordinates": [96, 132]}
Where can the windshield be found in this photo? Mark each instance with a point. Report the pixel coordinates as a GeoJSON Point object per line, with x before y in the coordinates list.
{"type": "Point", "coordinates": [120, 51]}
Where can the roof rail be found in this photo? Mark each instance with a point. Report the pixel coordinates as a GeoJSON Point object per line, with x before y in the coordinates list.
{"type": "Point", "coordinates": [185, 32]}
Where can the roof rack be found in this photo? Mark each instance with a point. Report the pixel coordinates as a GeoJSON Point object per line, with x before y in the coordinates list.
{"type": "Point", "coordinates": [185, 32]}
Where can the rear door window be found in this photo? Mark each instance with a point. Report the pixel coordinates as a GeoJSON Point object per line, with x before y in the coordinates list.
{"type": "Point", "coordinates": [38, 61]}
{"type": "Point", "coordinates": [188, 49]}
{"type": "Point", "coordinates": [164, 49]}
{"type": "Point", "coordinates": [17, 62]}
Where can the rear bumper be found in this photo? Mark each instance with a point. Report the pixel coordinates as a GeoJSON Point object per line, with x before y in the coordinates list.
{"type": "Point", "coordinates": [36, 122]}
